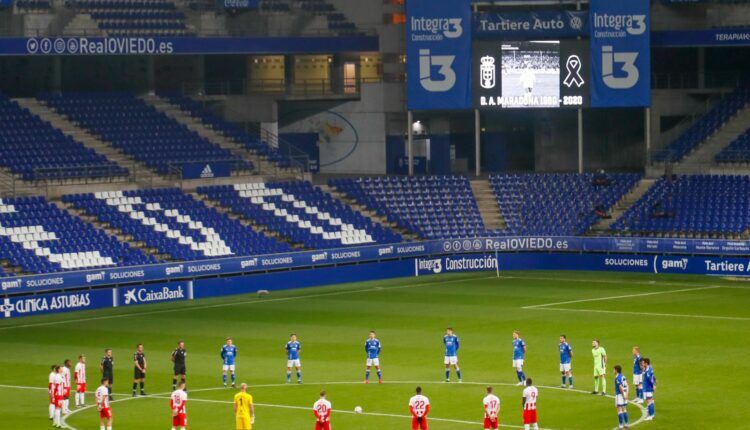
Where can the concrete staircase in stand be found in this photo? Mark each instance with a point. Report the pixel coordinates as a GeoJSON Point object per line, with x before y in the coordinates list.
{"type": "Point", "coordinates": [487, 203]}
{"type": "Point", "coordinates": [139, 172]}
{"type": "Point", "coordinates": [262, 165]}
{"type": "Point", "coordinates": [701, 160]}
{"type": "Point", "coordinates": [603, 226]}
{"type": "Point", "coordinates": [113, 231]}
{"type": "Point", "coordinates": [242, 219]}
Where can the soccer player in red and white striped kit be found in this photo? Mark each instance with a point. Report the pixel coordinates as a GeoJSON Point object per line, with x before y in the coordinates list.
{"type": "Point", "coordinates": [80, 377]}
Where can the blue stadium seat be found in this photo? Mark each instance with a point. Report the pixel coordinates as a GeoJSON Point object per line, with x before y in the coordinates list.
{"type": "Point", "coordinates": [433, 207]}
{"type": "Point", "coordinates": [175, 224]}
{"type": "Point", "coordinates": [34, 150]}
{"type": "Point", "coordinates": [691, 206]}
{"type": "Point", "coordinates": [251, 142]}
{"type": "Point", "coordinates": [556, 204]}
{"type": "Point", "coordinates": [145, 18]}
{"type": "Point", "coordinates": [704, 127]}
{"type": "Point", "coordinates": [39, 237]}
{"type": "Point", "coordinates": [302, 213]}
{"type": "Point", "coordinates": [139, 130]}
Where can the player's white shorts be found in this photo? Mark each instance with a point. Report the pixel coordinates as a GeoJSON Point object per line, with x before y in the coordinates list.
{"type": "Point", "coordinates": [637, 379]}
{"type": "Point", "coordinates": [518, 364]}
{"type": "Point", "coordinates": [294, 363]}
{"type": "Point", "coordinates": [620, 401]}
{"type": "Point", "coordinates": [373, 362]}
{"type": "Point", "coordinates": [565, 367]}
{"type": "Point", "coordinates": [648, 395]}
{"type": "Point", "coordinates": [229, 367]}
{"type": "Point", "coordinates": [451, 359]}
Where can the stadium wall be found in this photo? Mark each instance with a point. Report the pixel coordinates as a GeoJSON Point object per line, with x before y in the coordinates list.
{"type": "Point", "coordinates": [351, 134]}
{"type": "Point", "coordinates": [93, 290]}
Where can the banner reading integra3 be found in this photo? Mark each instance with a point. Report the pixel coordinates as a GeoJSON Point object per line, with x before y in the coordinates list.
{"type": "Point", "coordinates": [531, 74]}
{"type": "Point", "coordinates": [438, 46]}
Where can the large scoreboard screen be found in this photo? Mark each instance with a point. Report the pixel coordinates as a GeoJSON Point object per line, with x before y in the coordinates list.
{"type": "Point", "coordinates": [531, 74]}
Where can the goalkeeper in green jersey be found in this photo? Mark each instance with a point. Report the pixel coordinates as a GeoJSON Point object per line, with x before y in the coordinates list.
{"type": "Point", "coordinates": [600, 367]}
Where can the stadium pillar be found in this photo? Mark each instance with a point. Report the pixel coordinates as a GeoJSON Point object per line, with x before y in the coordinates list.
{"type": "Point", "coordinates": [410, 141]}
{"type": "Point", "coordinates": [647, 132]}
{"type": "Point", "coordinates": [580, 140]}
{"type": "Point", "coordinates": [477, 142]}
{"type": "Point", "coordinates": [151, 74]}
{"type": "Point", "coordinates": [57, 73]}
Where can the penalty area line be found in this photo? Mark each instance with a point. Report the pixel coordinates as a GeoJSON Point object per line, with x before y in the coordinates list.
{"type": "Point", "coordinates": [650, 314]}
{"type": "Point", "coordinates": [624, 296]}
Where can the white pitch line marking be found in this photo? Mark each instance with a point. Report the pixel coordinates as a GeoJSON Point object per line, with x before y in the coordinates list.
{"type": "Point", "coordinates": [245, 302]}
{"type": "Point", "coordinates": [625, 296]}
{"type": "Point", "coordinates": [651, 314]}
{"type": "Point", "coordinates": [643, 410]}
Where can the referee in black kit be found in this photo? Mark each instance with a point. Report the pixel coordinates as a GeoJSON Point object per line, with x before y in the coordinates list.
{"type": "Point", "coordinates": [179, 356]}
{"type": "Point", "coordinates": [107, 367]}
{"type": "Point", "coordinates": [139, 369]}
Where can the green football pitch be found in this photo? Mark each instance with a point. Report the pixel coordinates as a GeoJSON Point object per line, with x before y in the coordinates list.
{"type": "Point", "coordinates": [694, 329]}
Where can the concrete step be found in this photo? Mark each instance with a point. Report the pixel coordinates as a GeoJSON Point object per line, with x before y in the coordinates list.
{"type": "Point", "coordinates": [113, 231]}
{"type": "Point", "coordinates": [138, 171]}
{"type": "Point", "coordinates": [635, 194]}
{"type": "Point", "coordinates": [487, 204]}
{"type": "Point", "coordinates": [702, 158]}
{"type": "Point", "coordinates": [263, 166]}
{"type": "Point", "coordinates": [247, 222]}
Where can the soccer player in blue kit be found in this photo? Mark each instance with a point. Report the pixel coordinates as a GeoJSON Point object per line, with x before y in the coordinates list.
{"type": "Point", "coordinates": [566, 355]}
{"type": "Point", "coordinates": [372, 348]}
{"type": "Point", "coordinates": [519, 354]}
{"type": "Point", "coordinates": [293, 348]}
{"type": "Point", "coordinates": [450, 340]}
{"type": "Point", "coordinates": [649, 385]}
{"type": "Point", "coordinates": [621, 397]}
{"type": "Point", "coordinates": [228, 355]}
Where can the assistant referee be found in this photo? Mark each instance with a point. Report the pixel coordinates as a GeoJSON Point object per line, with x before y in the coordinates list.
{"type": "Point", "coordinates": [179, 356]}
{"type": "Point", "coordinates": [107, 367]}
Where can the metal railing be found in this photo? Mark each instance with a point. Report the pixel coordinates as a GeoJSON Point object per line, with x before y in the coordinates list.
{"type": "Point", "coordinates": [306, 87]}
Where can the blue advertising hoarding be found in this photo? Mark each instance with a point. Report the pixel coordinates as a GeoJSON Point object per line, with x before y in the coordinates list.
{"type": "Point", "coordinates": [121, 276]}
{"type": "Point", "coordinates": [438, 50]}
{"type": "Point", "coordinates": [620, 53]}
{"type": "Point", "coordinates": [459, 262]}
{"type": "Point", "coordinates": [206, 170]}
{"type": "Point", "coordinates": [153, 293]}
{"type": "Point", "coordinates": [695, 38]}
{"type": "Point", "coordinates": [524, 25]}
{"type": "Point", "coordinates": [82, 46]}
{"type": "Point", "coordinates": [39, 304]}
{"type": "Point", "coordinates": [238, 4]}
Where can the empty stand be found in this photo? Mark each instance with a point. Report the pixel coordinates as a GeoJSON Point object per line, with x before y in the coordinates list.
{"type": "Point", "coordinates": [738, 151]}
{"type": "Point", "coordinates": [135, 17]}
{"type": "Point", "coordinates": [704, 127]}
{"type": "Point", "coordinates": [140, 131]}
{"type": "Point", "coordinates": [34, 150]}
{"type": "Point", "coordinates": [434, 207]}
{"type": "Point", "coordinates": [38, 237]}
{"type": "Point", "coordinates": [250, 142]}
{"type": "Point", "coordinates": [302, 213]}
{"type": "Point", "coordinates": [691, 206]}
{"type": "Point", "coordinates": [174, 223]}
{"type": "Point", "coordinates": [556, 204]}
